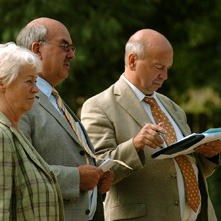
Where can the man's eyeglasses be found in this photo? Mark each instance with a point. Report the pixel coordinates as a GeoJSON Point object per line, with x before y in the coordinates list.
{"type": "Point", "coordinates": [66, 47]}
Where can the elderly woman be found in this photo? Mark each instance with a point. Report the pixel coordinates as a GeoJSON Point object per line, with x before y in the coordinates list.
{"type": "Point", "coordinates": [28, 188]}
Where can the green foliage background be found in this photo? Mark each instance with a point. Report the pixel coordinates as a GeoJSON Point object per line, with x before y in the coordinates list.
{"type": "Point", "coordinates": [100, 29]}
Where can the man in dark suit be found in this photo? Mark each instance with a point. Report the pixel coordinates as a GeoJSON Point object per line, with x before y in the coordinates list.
{"type": "Point", "coordinates": [121, 125]}
{"type": "Point", "coordinates": [45, 126]}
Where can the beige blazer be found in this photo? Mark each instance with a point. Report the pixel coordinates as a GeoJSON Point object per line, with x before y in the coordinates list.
{"type": "Point", "coordinates": [112, 118]}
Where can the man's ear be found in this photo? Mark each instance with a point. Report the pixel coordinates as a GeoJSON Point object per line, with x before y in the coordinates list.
{"type": "Point", "coordinates": [36, 48]}
{"type": "Point", "coordinates": [132, 61]}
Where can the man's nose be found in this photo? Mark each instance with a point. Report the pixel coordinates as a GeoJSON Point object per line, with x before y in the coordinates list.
{"type": "Point", "coordinates": [163, 73]}
{"type": "Point", "coordinates": [71, 54]}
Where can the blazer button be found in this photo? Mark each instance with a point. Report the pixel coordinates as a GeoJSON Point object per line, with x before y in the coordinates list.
{"type": "Point", "coordinates": [87, 212]}
{"type": "Point", "coordinates": [82, 152]}
{"type": "Point", "coordinates": [177, 203]}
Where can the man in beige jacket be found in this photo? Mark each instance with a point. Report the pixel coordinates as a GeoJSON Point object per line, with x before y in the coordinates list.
{"type": "Point", "coordinates": [121, 126]}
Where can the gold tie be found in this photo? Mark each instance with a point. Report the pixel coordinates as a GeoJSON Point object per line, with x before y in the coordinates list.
{"type": "Point", "coordinates": [191, 184]}
{"type": "Point", "coordinates": [75, 128]}
{"type": "Point", "coordinates": [72, 123]}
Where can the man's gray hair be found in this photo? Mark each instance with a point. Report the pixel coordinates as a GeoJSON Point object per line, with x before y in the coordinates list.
{"type": "Point", "coordinates": [136, 47]}
{"type": "Point", "coordinates": [12, 58]}
{"type": "Point", "coordinates": [30, 34]}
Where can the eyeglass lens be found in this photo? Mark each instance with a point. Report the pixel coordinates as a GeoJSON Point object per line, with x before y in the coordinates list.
{"type": "Point", "coordinates": [67, 48]}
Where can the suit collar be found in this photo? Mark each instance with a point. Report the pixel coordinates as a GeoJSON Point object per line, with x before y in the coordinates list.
{"type": "Point", "coordinates": [48, 106]}
{"type": "Point", "coordinates": [124, 93]}
{"type": "Point", "coordinates": [33, 154]}
{"type": "Point", "coordinates": [26, 145]}
{"type": "Point", "coordinates": [173, 113]}
{"type": "Point", "coordinates": [44, 86]}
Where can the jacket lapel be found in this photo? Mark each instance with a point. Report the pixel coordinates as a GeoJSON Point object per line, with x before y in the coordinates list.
{"type": "Point", "coordinates": [82, 127]}
{"type": "Point", "coordinates": [124, 93]}
{"type": "Point", "coordinates": [48, 106]}
{"type": "Point", "coordinates": [30, 151]}
{"type": "Point", "coordinates": [26, 145]}
{"type": "Point", "coordinates": [174, 114]}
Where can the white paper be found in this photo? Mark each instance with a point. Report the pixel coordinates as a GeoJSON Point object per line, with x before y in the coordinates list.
{"type": "Point", "coordinates": [107, 164]}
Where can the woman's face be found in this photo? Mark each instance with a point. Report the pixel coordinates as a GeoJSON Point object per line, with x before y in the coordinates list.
{"type": "Point", "coordinates": [20, 93]}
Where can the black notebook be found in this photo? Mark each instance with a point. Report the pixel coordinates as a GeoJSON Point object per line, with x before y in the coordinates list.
{"type": "Point", "coordinates": [188, 143]}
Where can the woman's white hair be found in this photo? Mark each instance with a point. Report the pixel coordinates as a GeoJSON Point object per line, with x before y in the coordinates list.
{"type": "Point", "coordinates": [12, 58]}
{"type": "Point", "coordinates": [136, 47]}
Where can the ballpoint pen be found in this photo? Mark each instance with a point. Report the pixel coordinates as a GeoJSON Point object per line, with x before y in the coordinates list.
{"type": "Point", "coordinates": [163, 137]}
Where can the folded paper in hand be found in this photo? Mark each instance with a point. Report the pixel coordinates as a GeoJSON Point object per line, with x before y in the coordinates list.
{"type": "Point", "coordinates": [187, 144]}
{"type": "Point", "coordinates": [108, 163]}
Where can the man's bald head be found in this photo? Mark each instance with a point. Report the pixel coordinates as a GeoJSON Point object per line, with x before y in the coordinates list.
{"type": "Point", "coordinates": [144, 41]}
{"type": "Point", "coordinates": [148, 56]}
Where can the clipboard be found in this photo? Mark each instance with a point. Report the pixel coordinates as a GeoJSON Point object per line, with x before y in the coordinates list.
{"type": "Point", "coordinates": [187, 144]}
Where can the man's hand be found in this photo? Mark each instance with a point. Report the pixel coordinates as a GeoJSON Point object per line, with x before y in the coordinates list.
{"type": "Point", "coordinates": [209, 149]}
{"type": "Point", "coordinates": [89, 176]}
{"type": "Point", "coordinates": [149, 136]}
{"type": "Point", "coordinates": [105, 182]}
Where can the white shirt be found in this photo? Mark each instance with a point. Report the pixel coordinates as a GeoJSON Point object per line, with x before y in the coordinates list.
{"type": "Point", "coordinates": [46, 88]}
{"type": "Point", "coordinates": [187, 214]}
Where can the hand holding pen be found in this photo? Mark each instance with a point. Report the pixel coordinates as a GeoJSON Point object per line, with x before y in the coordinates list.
{"type": "Point", "coordinates": [150, 135]}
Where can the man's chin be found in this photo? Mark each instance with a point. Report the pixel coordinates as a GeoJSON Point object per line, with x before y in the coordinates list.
{"type": "Point", "coordinates": [64, 75]}
{"type": "Point", "coordinates": [157, 86]}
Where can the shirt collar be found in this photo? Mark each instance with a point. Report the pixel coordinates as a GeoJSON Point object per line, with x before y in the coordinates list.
{"type": "Point", "coordinates": [44, 86]}
{"type": "Point", "coordinates": [140, 95]}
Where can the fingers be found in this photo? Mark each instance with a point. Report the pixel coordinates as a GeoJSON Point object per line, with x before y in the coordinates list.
{"type": "Point", "coordinates": [105, 182]}
{"type": "Point", "coordinates": [108, 174]}
{"type": "Point", "coordinates": [209, 149]}
{"type": "Point", "coordinates": [206, 152]}
{"type": "Point", "coordinates": [149, 136]}
{"type": "Point", "coordinates": [89, 176]}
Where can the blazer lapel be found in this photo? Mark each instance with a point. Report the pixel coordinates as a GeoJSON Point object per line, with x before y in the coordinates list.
{"type": "Point", "coordinates": [174, 114]}
{"type": "Point", "coordinates": [27, 147]}
{"type": "Point", "coordinates": [47, 105]}
{"type": "Point", "coordinates": [30, 151]}
{"type": "Point", "coordinates": [124, 93]}
{"type": "Point", "coordinates": [82, 127]}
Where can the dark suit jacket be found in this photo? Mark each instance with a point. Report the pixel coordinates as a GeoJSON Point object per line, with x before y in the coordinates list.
{"type": "Point", "coordinates": [112, 118]}
{"type": "Point", "coordinates": [59, 146]}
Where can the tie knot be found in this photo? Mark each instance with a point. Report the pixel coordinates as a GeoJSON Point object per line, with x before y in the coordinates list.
{"type": "Point", "coordinates": [54, 91]}
{"type": "Point", "coordinates": [57, 97]}
{"type": "Point", "coordinates": [150, 100]}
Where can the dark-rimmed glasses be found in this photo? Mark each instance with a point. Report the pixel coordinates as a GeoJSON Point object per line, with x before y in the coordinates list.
{"type": "Point", "coordinates": [66, 47]}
